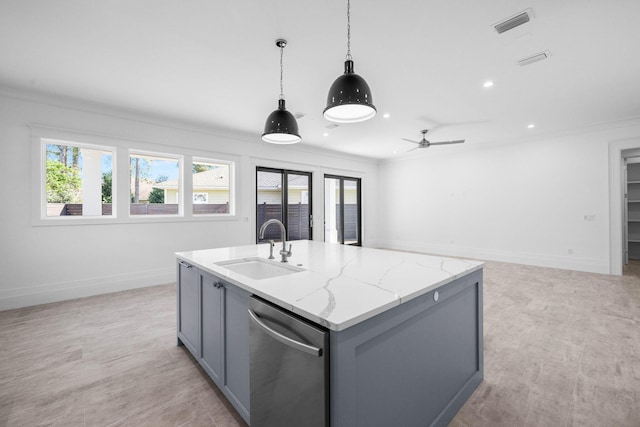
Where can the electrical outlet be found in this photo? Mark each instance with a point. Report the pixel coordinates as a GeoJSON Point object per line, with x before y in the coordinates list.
{"type": "Point", "coordinates": [590, 217]}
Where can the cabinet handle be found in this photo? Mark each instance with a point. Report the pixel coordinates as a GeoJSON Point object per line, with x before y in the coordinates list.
{"type": "Point", "coordinates": [218, 285]}
{"type": "Point", "coordinates": [314, 351]}
{"type": "Point", "coordinates": [185, 265]}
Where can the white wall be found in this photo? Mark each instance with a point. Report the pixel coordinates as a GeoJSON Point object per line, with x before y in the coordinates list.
{"type": "Point", "coordinates": [41, 264]}
{"type": "Point", "coordinates": [521, 202]}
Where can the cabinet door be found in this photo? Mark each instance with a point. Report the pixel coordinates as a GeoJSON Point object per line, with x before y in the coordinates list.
{"type": "Point", "coordinates": [212, 326]}
{"type": "Point", "coordinates": [188, 307]}
{"type": "Point", "coordinates": [237, 348]}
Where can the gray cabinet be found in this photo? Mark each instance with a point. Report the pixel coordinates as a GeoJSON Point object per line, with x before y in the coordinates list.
{"type": "Point", "coordinates": [413, 365]}
{"type": "Point", "coordinates": [213, 324]}
{"type": "Point", "coordinates": [236, 349]}
{"type": "Point", "coordinates": [212, 308]}
{"type": "Point", "coordinates": [188, 303]}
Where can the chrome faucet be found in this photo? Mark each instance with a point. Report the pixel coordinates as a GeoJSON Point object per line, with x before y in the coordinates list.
{"type": "Point", "coordinates": [271, 245]}
{"type": "Point", "coordinates": [283, 235]}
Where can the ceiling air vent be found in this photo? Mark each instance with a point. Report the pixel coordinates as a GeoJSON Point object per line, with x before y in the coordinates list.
{"type": "Point", "coordinates": [534, 58]}
{"type": "Point", "coordinates": [513, 22]}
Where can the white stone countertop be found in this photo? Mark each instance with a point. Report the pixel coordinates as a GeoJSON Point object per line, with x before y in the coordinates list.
{"type": "Point", "coordinates": [341, 285]}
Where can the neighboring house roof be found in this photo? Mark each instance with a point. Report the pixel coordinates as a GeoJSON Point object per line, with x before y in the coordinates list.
{"type": "Point", "coordinates": [145, 188]}
{"type": "Point", "coordinates": [217, 178]}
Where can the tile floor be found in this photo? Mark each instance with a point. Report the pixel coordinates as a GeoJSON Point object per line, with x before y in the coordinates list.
{"type": "Point", "coordinates": [562, 348]}
{"type": "Point", "coordinates": [109, 360]}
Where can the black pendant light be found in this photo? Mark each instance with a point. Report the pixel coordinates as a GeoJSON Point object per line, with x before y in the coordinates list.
{"type": "Point", "coordinates": [349, 98]}
{"type": "Point", "coordinates": [281, 127]}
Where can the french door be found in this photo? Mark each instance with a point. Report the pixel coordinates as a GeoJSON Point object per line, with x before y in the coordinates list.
{"type": "Point", "coordinates": [286, 196]}
{"type": "Point", "coordinates": [342, 210]}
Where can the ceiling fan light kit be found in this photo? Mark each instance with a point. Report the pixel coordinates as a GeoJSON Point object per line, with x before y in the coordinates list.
{"type": "Point", "coordinates": [281, 126]}
{"type": "Point", "coordinates": [349, 99]}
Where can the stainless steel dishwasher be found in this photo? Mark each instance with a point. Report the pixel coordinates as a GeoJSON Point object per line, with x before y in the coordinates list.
{"type": "Point", "coordinates": [289, 368]}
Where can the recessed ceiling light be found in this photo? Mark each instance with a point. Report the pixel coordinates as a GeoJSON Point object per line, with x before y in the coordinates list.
{"type": "Point", "coordinates": [386, 115]}
{"type": "Point", "coordinates": [487, 84]}
{"type": "Point", "coordinates": [325, 134]}
{"type": "Point", "coordinates": [531, 126]}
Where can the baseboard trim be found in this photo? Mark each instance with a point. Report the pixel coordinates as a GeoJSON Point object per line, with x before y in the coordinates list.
{"type": "Point", "coordinates": [589, 265]}
{"type": "Point", "coordinates": [54, 292]}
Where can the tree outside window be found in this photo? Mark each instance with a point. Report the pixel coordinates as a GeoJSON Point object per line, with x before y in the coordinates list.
{"type": "Point", "coordinates": [77, 179]}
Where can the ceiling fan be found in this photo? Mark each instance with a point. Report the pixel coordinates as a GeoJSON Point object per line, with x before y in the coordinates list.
{"type": "Point", "coordinates": [424, 143]}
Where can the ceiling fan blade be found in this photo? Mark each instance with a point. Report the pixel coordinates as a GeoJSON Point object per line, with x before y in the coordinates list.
{"type": "Point", "coordinates": [408, 140]}
{"type": "Point", "coordinates": [458, 141]}
{"type": "Point", "coordinates": [414, 149]}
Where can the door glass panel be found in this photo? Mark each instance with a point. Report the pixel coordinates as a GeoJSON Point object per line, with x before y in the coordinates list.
{"type": "Point", "coordinates": [269, 202]}
{"type": "Point", "coordinates": [342, 215]}
{"type": "Point", "coordinates": [351, 224]}
{"type": "Point", "coordinates": [298, 206]}
{"type": "Point", "coordinates": [332, 212]}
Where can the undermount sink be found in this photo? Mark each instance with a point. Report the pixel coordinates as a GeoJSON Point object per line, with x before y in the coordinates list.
{"type": "Point", "coordinates": [259, 268]}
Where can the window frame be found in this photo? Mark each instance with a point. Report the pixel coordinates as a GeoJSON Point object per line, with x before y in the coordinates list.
{"type": "Point", "coordinates": [121, 149]}
{"type": "Point", "coordinates": [180, 158]}
{"type": "Point", "coordinates": [42, 173]}
{"type": "Point", "coordinates": [341, 179]}
{"type": "Point", "coordinates": [232, 186]}
{"type": "Point", "coordinates": [285, 197]}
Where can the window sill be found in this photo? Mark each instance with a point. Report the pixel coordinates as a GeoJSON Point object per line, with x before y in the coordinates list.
{"type": "Point", "coordinates": [142, 219]}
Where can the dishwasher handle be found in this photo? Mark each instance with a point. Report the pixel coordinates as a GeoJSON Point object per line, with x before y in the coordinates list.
{"type": "Point", "coordinates": [314, 351]}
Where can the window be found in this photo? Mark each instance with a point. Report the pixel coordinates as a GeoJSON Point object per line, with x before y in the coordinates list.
{"type": "Point", "coordinates": [155, 184]}
{"type": "Point", "coordinates": [78, 179]}
{"type": "Point", "coordinates": [342, 211]}
{"type": "Point", "coordinates": [212, 187]}
{"type": "Point", "coordinates": [81, 178]}
{"type": "Point", "coordinates": [283, 195]}
{"type": "Point", "coordinates": [200, 198]}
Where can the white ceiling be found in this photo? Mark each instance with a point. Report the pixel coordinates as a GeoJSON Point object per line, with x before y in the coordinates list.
{"type": "Point", "coordinates": [215, 63]}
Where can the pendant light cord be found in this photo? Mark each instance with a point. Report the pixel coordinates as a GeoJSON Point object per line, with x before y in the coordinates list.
{"type": "Point", "coordinates": [349, 30]}
{"type": "Point", "coordinates": [281, 89]}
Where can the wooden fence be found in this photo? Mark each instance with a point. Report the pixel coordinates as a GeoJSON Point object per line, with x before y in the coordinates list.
{"type": "Point", "coordinates": [73, 209]}
{"type": "Point", "coordinates": [298, 221]}
{"type": "Point", "coordinates": [350, 222]}
{"type": "Point", "coordinates": [298, 227]}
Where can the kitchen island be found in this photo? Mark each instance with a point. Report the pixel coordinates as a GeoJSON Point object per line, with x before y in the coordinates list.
{"type": "Point", "coordinates": [405, 329]}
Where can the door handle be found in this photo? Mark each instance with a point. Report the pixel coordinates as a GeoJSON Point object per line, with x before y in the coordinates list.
{"type": "Point", "coordinates": [309, 349]}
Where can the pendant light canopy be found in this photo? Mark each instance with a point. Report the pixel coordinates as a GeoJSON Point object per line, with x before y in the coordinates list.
{"type": "Point", "coordinates": [349, 98]}
{"type": "Point", "coordinates": [281, 127]}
